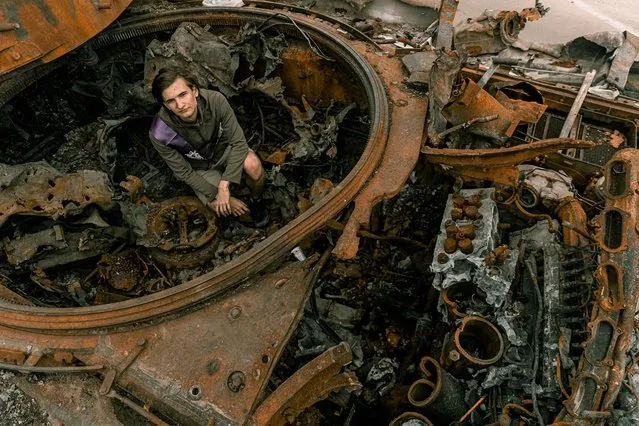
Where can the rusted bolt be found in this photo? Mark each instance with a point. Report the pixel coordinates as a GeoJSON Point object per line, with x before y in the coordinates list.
{"type": "Point", "coordinates": [468, 232]}
{"type": "Point", "coordinates": [451, 231]}
{"type": "Point", "coordinates": [453, 355]}
{"type": "Point", "coordinates": [458, 201]}
{"type": "Point", "coordinates": [235, 312]}
{"type": "Point", "coordinates": [212, 367]}
{"type": "Point", "coordinates": [16, 56]}
{"type": "Point", "coordinates": [456, 213]}
{"type": "Point", "coordinates": [450, 245]}
{"type": "Point", "coordinates": [474, 200]}
{"type": "Point", "coordinates": [472, 212]}
{"type": "Point", "coordinates": [466, 246]}
{"type": "Point", "coordinates": [442, 258]}
{"type": "Point", "coordinates": [236, 381]}
{"type": "Point", "coordinates": [195, 392]}
{"type": "Point", "coordinates": [449, 222]}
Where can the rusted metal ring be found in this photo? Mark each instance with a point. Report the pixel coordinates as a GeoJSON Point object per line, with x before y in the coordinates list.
{"type": "Point", "coordinates": [154, 306]}
{"type": "Point", "coordinates": [410, 417]}
{"type": "Point", "coordinates": [489, 335]}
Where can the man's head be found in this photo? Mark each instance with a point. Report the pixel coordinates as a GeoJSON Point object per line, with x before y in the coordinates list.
{"type": "Point", "coordinates": [177, 90]}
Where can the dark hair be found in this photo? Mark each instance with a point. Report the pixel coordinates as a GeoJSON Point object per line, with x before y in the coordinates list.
{"type": "Point", "coordinates": [167, 76]}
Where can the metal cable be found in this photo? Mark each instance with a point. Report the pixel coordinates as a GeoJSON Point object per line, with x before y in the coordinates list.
{"type": "Point", "coordinates": [314, 47]}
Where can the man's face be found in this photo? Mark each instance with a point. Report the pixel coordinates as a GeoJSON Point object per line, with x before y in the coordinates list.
{"type": "Point", "coordinates": [181, 99]}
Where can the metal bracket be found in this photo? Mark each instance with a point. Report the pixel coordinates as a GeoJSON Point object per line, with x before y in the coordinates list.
{"type": "Point", "coordinates": [113, 373]}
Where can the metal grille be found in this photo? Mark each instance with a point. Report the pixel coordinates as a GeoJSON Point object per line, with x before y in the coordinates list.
{"type": "Point", "coordinates": [549, 126]}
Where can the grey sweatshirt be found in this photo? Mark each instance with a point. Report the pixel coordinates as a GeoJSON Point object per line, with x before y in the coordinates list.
{"type": "Point", "coordinates": [216, 123]}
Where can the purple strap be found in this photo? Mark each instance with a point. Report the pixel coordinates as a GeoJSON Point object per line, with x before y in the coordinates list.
{"type": "Point", "coordinates": [169, 137]}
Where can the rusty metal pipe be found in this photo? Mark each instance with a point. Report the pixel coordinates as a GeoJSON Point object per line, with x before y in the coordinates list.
{"type": "Point", "coordinates": [570, 211]}
{"type": "Point", "coordinates": [440, 395]}
{"type": "Point", "coordinates": [52, 370]}
{"type": "Point", "coordinates": [476, 334]}
{"type": "Point", "coordinates": [602, 367]}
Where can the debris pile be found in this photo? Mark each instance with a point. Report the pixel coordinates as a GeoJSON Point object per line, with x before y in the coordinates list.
{"type": "Point", "coordinates": [89, 232]}
{"type": "Point", "coordinates": [498, 286]}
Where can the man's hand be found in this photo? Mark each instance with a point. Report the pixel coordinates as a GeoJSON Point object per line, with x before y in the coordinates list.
{"type": "Point", "coordinates": [222, 203]}
{"type": "Point", "coordinates": [237, 207]}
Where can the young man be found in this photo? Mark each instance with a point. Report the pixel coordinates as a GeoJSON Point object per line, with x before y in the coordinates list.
{"type": "Point", "coordinates": [199, 138]}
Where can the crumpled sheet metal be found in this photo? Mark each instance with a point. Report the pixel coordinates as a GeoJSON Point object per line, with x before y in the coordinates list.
{"type": "Point", "coordinates": [310, 384]}
{"type": "Point", "coordinates": [624, 58]}
{"type": "Point", "coordinates": [40, 190]}
{"type": "Point", "coordinates": [602, 367]}
{"type": "Point", "coordinates": [528, 112]}
{"type": "Point", "coordinates": [492, 31]}
{"type": "Point", "coordinates": [500, 164]}
{"type": "Point", "coordinates": [305, 73]}
{"type": "Point", "coordinates": [444, 73]}
{"type": "Point", "coordinates": [399, 158]}
{"type": "Point", "coordinates": [209, 59]}
{"type": "Point", "coordinates": [206, 366]}
{"type": "Point", "coordinates": [44, 30]}
{"type": "Point", "coordinates": [419, 65]}
{"type": "Point", "coordinates": [475, 102]}
{"type": "Point", "coordinates": [446, 30]}
{"type": "Point", "coordinates": [22, 249]}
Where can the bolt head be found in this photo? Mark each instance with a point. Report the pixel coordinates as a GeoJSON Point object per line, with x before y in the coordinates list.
{"type": "Point", "coordinates": [235, 312]}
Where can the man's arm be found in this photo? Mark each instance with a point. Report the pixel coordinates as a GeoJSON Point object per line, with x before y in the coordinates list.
{"type": "Point", "coordinates": [183, 170]}
{"type": "Point", "coordinates": [233, 135]}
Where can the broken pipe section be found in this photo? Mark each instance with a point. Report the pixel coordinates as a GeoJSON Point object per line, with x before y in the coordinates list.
{"type": "Point", "coordinates": [439, 394]}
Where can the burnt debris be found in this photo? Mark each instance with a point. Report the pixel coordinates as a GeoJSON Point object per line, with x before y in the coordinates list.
{"type": "Point", "coordinates": [453, 234]}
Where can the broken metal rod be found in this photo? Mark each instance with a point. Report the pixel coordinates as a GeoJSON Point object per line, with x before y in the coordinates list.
{"type": "Point", "coordinates": [56, 370]}
{"type": "Point", "coordinates": [337, 226]}
{"type": "Point", "coordinates": [135, 407]}
{"type": "Point", "coordinates": [484, 119]}
{"type": "Point", "coordinates": [487, 75]}
{"type": "Point", "coordinates": [471, 409]}
{"type": "Point", "coordinates": [576, 106]}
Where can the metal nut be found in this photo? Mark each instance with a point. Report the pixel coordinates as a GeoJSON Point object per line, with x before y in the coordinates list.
{"type": "Point", "coordinates": [236, 381]}
{"type": "Point", "coordinates": [450, 245]}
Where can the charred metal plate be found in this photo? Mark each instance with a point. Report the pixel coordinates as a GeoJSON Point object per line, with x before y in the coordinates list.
{"type": "Point", "coordinates": [208, 366]}
{"type": "Point", "coordinates": [47, 29]}
{"type": "Point", "coordinates": [38, 189]}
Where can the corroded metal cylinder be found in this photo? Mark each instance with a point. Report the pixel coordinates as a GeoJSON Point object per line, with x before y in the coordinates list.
{"type": "Point", "coordinates": [439, 395]}
{"type": "Point", "coordinates": [411, 418]}
{"type": "Point", "coordinates": [477, 342]}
